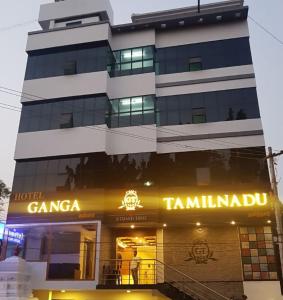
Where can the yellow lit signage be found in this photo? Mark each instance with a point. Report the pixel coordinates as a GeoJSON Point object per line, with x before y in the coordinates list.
{"type": "Point", "coordinates": [131, 201]}
{"type": "Point", "coordinates": [53, 207]}
{"type": "Point", "coordinates": [218, 201]}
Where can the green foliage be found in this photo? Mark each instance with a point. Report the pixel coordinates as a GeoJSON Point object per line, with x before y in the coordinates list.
{"type": "Point", "coordinates": [4, 190]}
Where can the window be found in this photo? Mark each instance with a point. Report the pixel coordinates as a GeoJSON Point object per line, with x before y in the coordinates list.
{"type": "Point", "coordinates": [131, 111]}
{"type": "Point", "coordinates": [195, 64]}
{"type": "Point", "coordinates": [74, 23]}
{"type": "Point", "coordinates": [70, 68]}
{"type": "Point", "coordinates": [198, 115]}
{"type": "Point", "coordinates": [66, 120]}
{"type": "Point", "coordinates": [64, 113]}
{"type": "Point", "coordinates": [132, 61]}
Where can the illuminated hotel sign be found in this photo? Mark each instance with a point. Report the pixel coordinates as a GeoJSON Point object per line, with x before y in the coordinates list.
{"type": "Point", "coordinates": [131, 201]}
{"type": "Point", "coordinates": [53, 207]}
{"type": "Point", "coordinates": [15, 236]}
{"type": "Point", "coordinates": [217, 201]}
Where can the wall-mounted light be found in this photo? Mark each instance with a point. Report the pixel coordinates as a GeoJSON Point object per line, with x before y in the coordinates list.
{"type": "Point", "coordinates": [132, 226]}
{"type": "Point", "coordinates": [233, 223]}
{"type": "Point", "coordinates": [198, 224]}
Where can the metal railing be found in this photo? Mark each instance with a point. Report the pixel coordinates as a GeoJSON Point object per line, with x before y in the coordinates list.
{"type": "Point", "coordinates": [121, 272]}
{"type": "Point", "coordinates": [154, 272]}
{"type": "Point", "coordinates": [185, 283]}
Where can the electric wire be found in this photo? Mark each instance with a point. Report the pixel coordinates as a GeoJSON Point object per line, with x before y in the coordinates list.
{"type": "Point", "coordinates": [21, 94]}
{"type": "Point", "coordinates": [266, 30]}
{"type": "Point", "coordinates": [18, 25]}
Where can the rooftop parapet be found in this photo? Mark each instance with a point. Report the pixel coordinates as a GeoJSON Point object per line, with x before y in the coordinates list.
{"type": "Point", "coordinates": [74, 10]}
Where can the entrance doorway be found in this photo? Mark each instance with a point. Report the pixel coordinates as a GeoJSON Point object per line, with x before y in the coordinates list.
{"type": "Point", "coordinates": [145, 248]}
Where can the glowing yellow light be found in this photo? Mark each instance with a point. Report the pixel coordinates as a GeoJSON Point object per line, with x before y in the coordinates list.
{"type": "Point", "coordinates": [53, 207]}
{"type": "Point", "coordinates": [164, 225]}
{"type": "Point", "coordinates": [148, 183]}
{"type": "Point", "coordinates": [63, 291]}
{"type": "Point", "coordinates": [132, 226]}
{"type": "Point", "coordinates": [216, 201]}
{"type": "Point", "coordinates": [233, 223]}
{"type": "Point", "coordinates": [131, 201]}
{"type": "Point", "coordinates": [269, 222]}
{"type": "Point", "coordinates": [198, 223]}
{"type": "Point", "coordinates": [128, 291]}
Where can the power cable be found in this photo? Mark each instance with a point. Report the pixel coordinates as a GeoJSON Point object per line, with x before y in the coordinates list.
{"type": "Point", "coordinates": [17, 25]}
{"type": "Point", "coordinates": [115, 130]}
{"type": "Point", "coordinates": [21, 94]}
{"type": "Point", "coordinates": [266, 30]}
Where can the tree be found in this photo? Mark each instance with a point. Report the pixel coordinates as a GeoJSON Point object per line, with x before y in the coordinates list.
{"type": "Point", "coordinates": [4, 194]}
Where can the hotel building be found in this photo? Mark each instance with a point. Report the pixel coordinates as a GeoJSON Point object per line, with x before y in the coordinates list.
{"type": "Point", "coordinates": [142, 137]}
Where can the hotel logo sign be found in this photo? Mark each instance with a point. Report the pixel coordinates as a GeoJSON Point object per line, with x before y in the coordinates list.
{"type": "Point", "coordinates": [131, 201]}
{"type": "Point", "coordinates": [200, 253]}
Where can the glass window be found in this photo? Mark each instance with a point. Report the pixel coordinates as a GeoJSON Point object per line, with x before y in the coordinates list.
{"type": "Point", "coordinates": [66, 120]}
{"type": "Point", "coordinates": [137, 54]}
{"type": "Point", "coordinates": [126, 55]}
{"type": "Point", "coordinates": [137, 103]}
{"type": "Point", "coordinates": [198, 115]}
{"type": "Point", "coordinates": [195, 64]}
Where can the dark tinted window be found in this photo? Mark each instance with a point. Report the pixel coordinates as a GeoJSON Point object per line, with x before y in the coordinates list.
{"type": "Point", "coordinates": [217, 169]}
{"type": "Point", "coordinates": [203, 56]}
{"type": "Point", "coordinates": [208, 107]}
{"type": "Point", "coordinates": [66, 61]}
{"type": "Point", "coordinates": [64, 113]}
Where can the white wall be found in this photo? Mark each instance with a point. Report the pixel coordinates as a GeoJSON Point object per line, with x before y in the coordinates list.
{"type": "Point", "coordinates": [134, 139]}
{"type": "Point", "coordinates": [66, 86]}
{"type": "Point", "coordinates": [60, 142]}
{"type": "Point", "coordinates": [206, 87]}
{"type": "Point", "coordinates": [205, 74]}
{"type": "Point", "coordinates": [68, 36]}
{"type": "Point", "coordinates": [201, 34]}
{"type": "Point", "coordinates": [209, 128]}
{"type": "Point", "coordinates": [69, 8]}
{"type": "Point", "coordinates": [211, 144]}
{"type": "Point", "coordinates": [130, 86]}
{"type": "Point", "coordinates": [263, 290]}
{"type": "Point", "coordinates": [132, 39]}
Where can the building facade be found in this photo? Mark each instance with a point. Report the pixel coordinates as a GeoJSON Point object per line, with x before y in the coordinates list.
{"type": "Point", "coordinates": [142, 137]}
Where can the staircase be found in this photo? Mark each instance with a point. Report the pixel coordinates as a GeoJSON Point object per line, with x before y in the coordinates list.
{"type": "Point", "coordinates": [168, 280]}
{"type": "Point", "coordinates": [177, 285]}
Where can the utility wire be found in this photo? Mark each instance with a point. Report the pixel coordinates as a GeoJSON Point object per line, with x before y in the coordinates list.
{"type": "Point", "coordinates": [161, 130]}
{"type": "Point", "coordinates": [266, 30]}
{"type": "Point", "coordinates": [115, 131]}
{"type": "Point", "coordinates": [18, 25]}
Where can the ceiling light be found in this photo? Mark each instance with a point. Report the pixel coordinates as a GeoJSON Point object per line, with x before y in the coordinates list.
{"type": "Point", "coordinates": [63, 291]}
{"type": "Point", "coordinates": [181, 23]}
{"type": "Point", "coordinates": [128, 291]}
{"type": "Point", "coordinates": [233, 223]}
{"type": "Point", "coordinates": [163, 25]}
{"type": "Point", "coordinates": [200, 20]}
{"type": "Point", "coordinates": [218, 18]}
{"type": "Point", "coordinates": [269, 222]}
{"type": "Point", "coordinates": [132, 226]}
{"type": "Point", "coordinates": [164, 225]}
{"type": "Point", "coordinates": [148, 183]}
{"type": "Point", "coordinates": [198, 223]}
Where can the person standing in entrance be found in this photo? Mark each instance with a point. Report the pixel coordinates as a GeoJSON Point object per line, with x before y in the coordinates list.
{"type": "Point", "coordinates": [135, 264]}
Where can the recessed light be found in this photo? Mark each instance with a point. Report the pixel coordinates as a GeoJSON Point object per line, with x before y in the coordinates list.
{"type": "Point", "coordinates": [164, 225]}
{"type": "Point", "coordinates": [148, 183]}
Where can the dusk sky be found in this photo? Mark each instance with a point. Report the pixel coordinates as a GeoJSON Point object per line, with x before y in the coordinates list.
{"type": "Point", "coordinates": [18, 17]}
